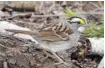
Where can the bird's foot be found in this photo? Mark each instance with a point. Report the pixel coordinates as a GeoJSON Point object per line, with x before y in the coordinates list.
{"type": "Point", "coordinates": [48, 55]}
{"type": "Point", "coordinates": [60, 60]}
{"type": "Point", "coordinates": [54, 56]}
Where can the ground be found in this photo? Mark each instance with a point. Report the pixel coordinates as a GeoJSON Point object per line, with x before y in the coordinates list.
{"type": "Point", "coordinates": [19, 53]}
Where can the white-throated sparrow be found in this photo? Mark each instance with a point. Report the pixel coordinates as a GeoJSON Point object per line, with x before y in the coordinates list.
{"type": "Point", "coordinates": [56, 33]}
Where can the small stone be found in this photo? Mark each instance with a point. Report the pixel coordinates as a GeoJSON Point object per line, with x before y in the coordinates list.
{"type": "Point", "coordinates": [12, 61]}
{"type": "Point", "coordinates": [1, 14]}
{"type": "Point", "coordinates": [24, 49]}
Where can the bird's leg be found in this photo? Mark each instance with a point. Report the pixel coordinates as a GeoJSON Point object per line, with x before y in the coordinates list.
{"type": "Point", "coordinates": [48, 55]}
{"type": "Point", "coordinates": [60, 61]}
{"type": "Point", "coordinates": [54, 56]}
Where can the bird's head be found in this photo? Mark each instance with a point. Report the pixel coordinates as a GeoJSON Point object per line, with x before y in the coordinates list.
{"type": "Point", "coordinates": [77, 20]}
{"type": "Point", "coordinates": [77, 23]}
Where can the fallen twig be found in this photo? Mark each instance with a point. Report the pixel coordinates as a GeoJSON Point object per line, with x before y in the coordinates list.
{"type": "Point", "coordinates": [82, 13]}
{"type": "Point", "coordinates": [5, 64]}
{"type": "Point", "coordinates": [41, 5]}
{"type": "Point", "coordinates": [50, 9]}
{"type": "Point", "coordinates": [101, 64]}
{"type": "Point", "coordinates": [22, 15]}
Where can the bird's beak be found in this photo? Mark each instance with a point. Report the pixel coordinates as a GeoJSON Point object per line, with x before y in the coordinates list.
{"type": "Point", "coordinates": [85, 25]}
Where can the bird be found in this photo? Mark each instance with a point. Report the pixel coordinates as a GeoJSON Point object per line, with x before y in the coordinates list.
{"type": "Point", "coordinates": [57, 37]}
{"type": "Point", "coordinates": [57, 33]}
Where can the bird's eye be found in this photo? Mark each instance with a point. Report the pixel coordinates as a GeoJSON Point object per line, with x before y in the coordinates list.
{"type": "Point", "coordinates": [78, 22]}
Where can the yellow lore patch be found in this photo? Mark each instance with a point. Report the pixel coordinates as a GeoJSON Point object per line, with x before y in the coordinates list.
{"type": "Point", "coordinates": [82, 21]}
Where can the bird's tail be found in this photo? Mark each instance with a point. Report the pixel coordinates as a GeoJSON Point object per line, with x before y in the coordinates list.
{"type": "Point", "coordinates": [23, 31]}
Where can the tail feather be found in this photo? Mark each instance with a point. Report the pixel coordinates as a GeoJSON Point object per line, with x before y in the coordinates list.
{"type": "Point", "coordinates": [23, 31]}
